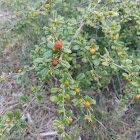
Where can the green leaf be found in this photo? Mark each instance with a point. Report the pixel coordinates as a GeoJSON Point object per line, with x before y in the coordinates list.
{"type": "Point", "coordinates": [72, 92]}
{"type": "Point", "coordinates": [68, 137]}
{"type": "Point", "coordinates": [60, 130]}
{"type": "Point", "coordinates": [50, 45]}
{"type": "Point", "coordinates": [108, 22]}
{"type": "Point", "coordinates": [56, 123]}
{"type": "Point", "coordinates": [92, 101]}
{"type": "Point", "coordinates": [92, 41]}
{"type": "Point", "coordinates": [65, 76]}
{"type": "Point", "coordinates": [136, 68]}
{"type": "Point", "coordinates": [44, 73]}
{"type": "Point", "coordinates": [61, 21]}
{"type": "Point", "coordinates": [80, 77]}
{"type": "Point", "coordinates": [47, 54]}
{"type": "Point", "coordinates": [19, 80]}
{"type": "Point", "coordinates": [96, 48]}
{"type": "Point", "coordinates": [23, 99]}
{"type": "Point", "coordinates": [65, 64]}
{"type": "Point", "coordinates": [125, 74]}
{"type": "Point", "coordinates": [22, 73]}
{"type": "Point", "coordinates": [88, 47]}
{"type": "Point", "coordinates": [94, 56]}
{"type": "Point", "coordinates": [23, 125]}
{"type": "Point", "coordinates": [76, 47]}
{"type": "Point", "coordinates": [16, 75]}
{"type": "Point", "coordinates": [103, 73]}
{"type": "Point", "coordinates": [67, 90]}
{"type": "Point", "coordinates": [61, 110]}
{"type": "Point", "coordinates": [96, 62]}
{"type": "Point", "coordinates": [105, 63]}
{"type": "Point", "coordinates": [10, 115]}
{"type": "Point", "coordinates": [18, 114]}
{"type": "Point", "coordinates": [106, 51]}
{"type": "Point", "coordinates": [39, 97]}
{"type": "Point", "coordinates": [6, 133]}
{"type": "Point", "coordinates": [69, 113]}
{"type": "Point", "coordinates": [65, 50]}
{"type": "Point", "coordinates": [75, 101]}
{"type": "Point", "coordinates": [54, 90]}
{"type": "Point", "coordinates": [54, 14]}
{"type": "Point", "coordinates": [38, 60]}
{"type": "Point", "coordinates": [54, 99]}
{"type": "Point", "coordinates": [31, 68]}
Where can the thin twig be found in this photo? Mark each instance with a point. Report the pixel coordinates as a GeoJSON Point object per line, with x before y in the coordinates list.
{"type": "Point", "coordinates": [47, 134]}
{"type": "Point", "coordinates": [28, 105]}
{"type": "Point", "coordinates": [117, 66]}
{"type": "Point", "coordinates": [100, 123]}
{"type": "Point", "coordinates": [115, 88]}
{"type": "Point", "coordinates": [119, 82]}
{"type": "Point", "coordinates": [93, 69]}
{"type": "Point", "coordinates": [77, 32]}
{"type": "Point", "coordinates": [63, 100]}
{"type": "Point", "coordinates": [42, 5]}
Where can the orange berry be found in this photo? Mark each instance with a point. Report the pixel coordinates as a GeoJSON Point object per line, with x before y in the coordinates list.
{"type": "Point", "coordinates": [137, 97]}
{"type": "Point", "coordinates": [18, 16]}
{"type": "Point", "coordinates": [92, 51]}
{"type": "Point", "coordinates": [87, 104]}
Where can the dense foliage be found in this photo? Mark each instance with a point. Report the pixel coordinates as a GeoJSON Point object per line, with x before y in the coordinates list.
{"type": "Point", "coordinates": [83, 47]}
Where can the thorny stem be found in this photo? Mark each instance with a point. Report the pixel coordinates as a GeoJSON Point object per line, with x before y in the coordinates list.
{"type": "Point", "coordinates": [63, 100]}
{"type": "Point", "coordinates": [31, 101]}
{"type": "Point", "coordinates": [77, 32]}
{"type": "Point", "coordinates": [89, 111]}
{"type": "Point", "coordinates": [70, 76]}
{"type": "Point", "coordinates": [96, 119]}
{"type": "Point", "coordinates": [118, 66]}
{"type": "Point", "coordinates": [93, 68]}
{"type": "Point", "coordinates": [129, 73]}
{"type": "Point", "coordinates": [79, 29]}
{"type": "Point", "coordinates": [28, 105]}
{"type": "Point", "coordinates": [115, 88]}
{"type": "Point", "coordinates": [24, 110]}
{"type": "Point", "coordinates": [42, 5]}
{"type": "Point", "coordinates": [100, 123]}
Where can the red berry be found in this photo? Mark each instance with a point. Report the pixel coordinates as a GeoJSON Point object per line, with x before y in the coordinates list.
{"type": "Point", "coordinates": [58, 45]}
{"type": "Point", "coordinates": [54, 63]}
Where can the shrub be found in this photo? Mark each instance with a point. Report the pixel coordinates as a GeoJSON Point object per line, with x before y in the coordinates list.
{"type": "Point", "coordinates": [83, 46]}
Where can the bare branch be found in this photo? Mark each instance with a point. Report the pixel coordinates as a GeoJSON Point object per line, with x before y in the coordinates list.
{"type": "Point", "coordinates": [47, 134]}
